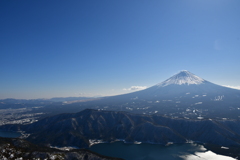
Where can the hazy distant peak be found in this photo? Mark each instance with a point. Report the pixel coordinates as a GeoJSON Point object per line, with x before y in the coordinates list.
{"type": "Point", "coordinates": [183, 77]}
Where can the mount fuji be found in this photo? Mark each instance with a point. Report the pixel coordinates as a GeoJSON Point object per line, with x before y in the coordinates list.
{"type": "Point", "coordinates": [183, 95]}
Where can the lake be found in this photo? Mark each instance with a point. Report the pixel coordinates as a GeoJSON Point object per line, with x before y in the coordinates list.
{"type": "Point", "coordinates": [156, 152]}
{"type": "Point", "coordinates": [9, 134]}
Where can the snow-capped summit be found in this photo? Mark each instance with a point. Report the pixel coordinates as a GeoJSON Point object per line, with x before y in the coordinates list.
{"type": "Point", "coordinates": [183, 77]}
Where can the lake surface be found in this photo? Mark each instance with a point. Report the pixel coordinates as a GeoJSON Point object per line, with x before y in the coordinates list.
{"type": "Point", "coordinates": [9, 134]}
{"type": "Point", "coordinates": [156, 152]}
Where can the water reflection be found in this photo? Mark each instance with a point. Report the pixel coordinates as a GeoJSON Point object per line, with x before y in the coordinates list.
{"type": "Point", "coordinates": [156, 152]}
{"type": "Point", "coordinates": [206, 155]}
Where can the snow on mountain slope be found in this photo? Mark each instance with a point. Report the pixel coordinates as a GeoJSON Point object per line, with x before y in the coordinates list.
{"type": "Point", "coordinates": [184, 77]}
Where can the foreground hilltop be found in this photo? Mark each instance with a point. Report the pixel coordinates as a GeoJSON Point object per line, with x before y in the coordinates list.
{"type": "Point", "coordinates": [19, 149]}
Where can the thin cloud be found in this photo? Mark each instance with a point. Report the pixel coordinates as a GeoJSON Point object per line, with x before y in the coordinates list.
{"type": "Point", "coordinates": [234, 87]}
{"type": "Point", "coordinates": [135, 88]}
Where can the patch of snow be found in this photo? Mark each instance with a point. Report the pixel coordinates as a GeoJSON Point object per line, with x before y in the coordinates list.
{"type": "Point", "coordinates": [95, 141]}
{"type": "Point", "coordinates": [129, 108]}
{"type": "Point", "coordinates": [134, 98]}
{"type": "Point", "coordinates": [53, 157]}
{"type": "Point", "coordinates": [136, 142]}
{"type": "Point", "coordinates": [169, 143]}
{"type": "Point", "coordinates": [224, 147]}
{"type": "Point", "coordinates": [67, 148]}
{"type": "Point", "coordinates": [219, 98]}
{"type": "Point", "coordinates": [12, 155]}
{"type": "Point", "coordinates": [190, 141]}
{"type": "Point", "coordinates": [38, 107]}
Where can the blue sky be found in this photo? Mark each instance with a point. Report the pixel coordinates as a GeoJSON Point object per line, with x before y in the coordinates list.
{"type": "Point", "coordinates": [87, 48]}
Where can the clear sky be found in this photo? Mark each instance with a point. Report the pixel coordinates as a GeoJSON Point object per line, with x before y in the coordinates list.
{"type": "Point", "coordinates": [106, 47]}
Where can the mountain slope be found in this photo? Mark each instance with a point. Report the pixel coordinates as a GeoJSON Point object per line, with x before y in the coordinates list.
{"type": "Point", "coordinates": [79, 129]}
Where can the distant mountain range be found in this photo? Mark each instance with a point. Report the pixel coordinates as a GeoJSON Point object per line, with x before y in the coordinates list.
{"type": "Point", "coordinates": [43, 100]}
{"type": "Point", "coordinates": [183, 95]}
